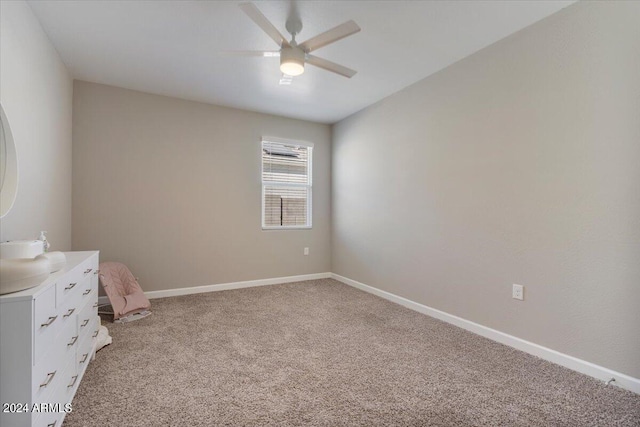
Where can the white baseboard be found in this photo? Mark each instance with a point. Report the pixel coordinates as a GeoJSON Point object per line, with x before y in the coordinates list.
{"type": "Point", "coordinates": [225, 286]}
{"type": "Point", "coordinates": [579, 365]}
{"type": "Point", "coordinates": [234, 285]}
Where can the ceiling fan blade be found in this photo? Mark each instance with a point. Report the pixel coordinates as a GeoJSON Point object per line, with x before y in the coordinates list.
{"type": "Point", "coordinates": [333, 35]}
{"type": "Point", "coordinates": [330, 66]}
{"type": "Point", "coordinates": [256, 16]}
{"type": "Point", "coordinates": [263, 53]}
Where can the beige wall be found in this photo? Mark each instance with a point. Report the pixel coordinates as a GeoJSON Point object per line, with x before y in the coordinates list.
{"type": "Point", "coordinates": [519, 164]}
{"type": "Point", "coordinates": [36, 94]}
{"type": "Point", "coordinates": [172, 188]}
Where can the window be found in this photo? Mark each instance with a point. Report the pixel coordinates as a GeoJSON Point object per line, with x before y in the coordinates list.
{"type": "Point", "coordinates": [286, 184]}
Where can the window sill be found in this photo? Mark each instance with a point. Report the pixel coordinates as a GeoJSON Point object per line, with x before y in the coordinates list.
{"type": "Point", "coordinates": [295, 227]}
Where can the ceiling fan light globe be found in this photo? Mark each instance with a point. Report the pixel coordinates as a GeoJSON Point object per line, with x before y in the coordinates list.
{"type": "Point", "coordinates": [292, 61]}
{"type": "Point", "coordinates": [292, 68]}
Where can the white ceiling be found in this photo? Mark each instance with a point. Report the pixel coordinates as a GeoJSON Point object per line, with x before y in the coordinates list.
{"type": "Point", "coordinates": [176, 48]}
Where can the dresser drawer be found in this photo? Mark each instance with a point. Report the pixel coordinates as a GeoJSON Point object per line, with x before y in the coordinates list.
{"type": "Point", "coordinates": [74, 299]}
{"type": "Point", "coordinates": [69, 286]}
{"type": "Point", "coordinates": [68, 341]}
{"type": "Point", "coordinates": [60, 396]}
{"type": "Point", "coordinates": [46, 322]}
{"type": "Point", "coordinates": [86, 317]}
{"type": "Point", "coordinates": [88, 343]}
{"type": "Point", "coordinates": [75, 282]}
{"type": "Point", "coordinates": [48, 419]}
{"type": "Point", "coordinates": [89, 267]}
{"type": "Point", "coordinates": [84, 354]}
{"type": "Point", "coordinates": [47, 374]}
{"type": "Point", "coordinates": [68, 384]}
{"type": "Point", "coordinates": [89, 291]}
{"type": "Point", "coordinates": [69, 317]}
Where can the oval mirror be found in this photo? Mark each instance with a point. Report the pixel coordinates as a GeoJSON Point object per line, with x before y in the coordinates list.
{"type": "Point", "coordinates": [8, 166]}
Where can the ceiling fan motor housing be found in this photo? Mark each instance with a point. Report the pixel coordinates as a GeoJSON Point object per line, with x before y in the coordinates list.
{"type": "Point", "coordinates": [292, 60]}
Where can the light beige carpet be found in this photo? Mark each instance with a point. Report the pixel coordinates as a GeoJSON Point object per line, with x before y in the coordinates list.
{"type": "Point", "coordinates": [321, 353]}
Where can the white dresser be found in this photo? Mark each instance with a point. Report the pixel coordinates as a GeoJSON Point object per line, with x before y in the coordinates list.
{"type": "Point", "coordinates": [47, 339]}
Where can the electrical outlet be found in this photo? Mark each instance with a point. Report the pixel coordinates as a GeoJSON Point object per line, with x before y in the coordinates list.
{"type": "Point", "coordinates": [306, 251]}
{"type": "Point", "coordinates": [518, 292]}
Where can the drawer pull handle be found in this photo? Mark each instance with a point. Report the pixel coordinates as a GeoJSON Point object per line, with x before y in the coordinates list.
{"type": "Point", "coordinates": [84, 357]}
{"type": "Point", "coordinates": [73, 341]}
{"type": "Point", "coordinates": [71, 286]}
{"type": "Point", "coordinates": [88, 270]}
{"type": "Point", "coordinates": [95, 334]}
{"type": "Point", "coordinates": [53, 424]}
{"type": "Point", "coordinates": [51, 320]}
{"type": "Point", "coordinates": [95, 305]}
{"type": "Point", "coordinates": [84, 323]}
{"type": "Point", "coordinates": [50, 376]}
{"type": "Point", "coordinates": [69, 313]}
{"type": "Point", "coordinates": [75, 378]}
{"type": "Point", "coordinates": [87, 292]}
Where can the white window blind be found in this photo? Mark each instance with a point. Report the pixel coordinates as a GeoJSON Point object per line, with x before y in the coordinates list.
{"type": "Point", "coordinates": [286, 184]}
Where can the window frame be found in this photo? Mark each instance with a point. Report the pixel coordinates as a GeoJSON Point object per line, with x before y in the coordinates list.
{"type": "Point", "coordinates": [308, 186]}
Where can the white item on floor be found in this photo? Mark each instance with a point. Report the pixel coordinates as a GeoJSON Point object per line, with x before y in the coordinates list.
{"type": "Point", "coordinates": [22, 273]}
{"type": "Point", "coordinates": [21, 249]}
{"type": "Point", "coordinates": [103, 338]}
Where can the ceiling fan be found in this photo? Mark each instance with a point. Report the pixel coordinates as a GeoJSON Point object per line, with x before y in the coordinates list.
{"type": "Point", "coordinates": [293, 56]}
